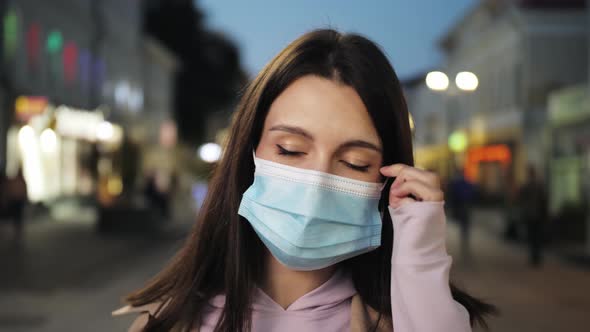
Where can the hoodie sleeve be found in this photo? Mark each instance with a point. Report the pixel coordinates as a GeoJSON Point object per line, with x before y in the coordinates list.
{"type": "Point", "coordinates": [421, 298]}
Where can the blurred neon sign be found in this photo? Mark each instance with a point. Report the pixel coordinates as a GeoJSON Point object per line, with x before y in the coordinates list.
{"type": "Point", "coordinates": [77, 123]}
{"type": "Point", "coordinates": [70, 62]}
{"type": "Point", "coordinates": [29, 106]}
{"type": "Point", "coordinates": [492, 153]}
{"type": "Point", "coordinates": [33, 45]}
{"type": "Point", "coordinates": [10, 25]}
{"type": "Point", "coordinates": [54, 42]}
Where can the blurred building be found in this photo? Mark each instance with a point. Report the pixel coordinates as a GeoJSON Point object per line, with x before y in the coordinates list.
{"type": "Point", "coordinates": [569, 162]}
{"type": "Point", "coordinates": [569, 158]}
{"type": "Point", "coordinates": [531, 106]}
{"type": "Point", "coordinates": [75, 77]}
{"type": "Point", "coordinates": [520, 51]}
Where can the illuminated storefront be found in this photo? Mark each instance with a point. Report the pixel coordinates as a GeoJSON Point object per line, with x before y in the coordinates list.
{"type": "Point", "coordinates": [58, 148]}
{"type": "Point", "coordinates": [487, 166]}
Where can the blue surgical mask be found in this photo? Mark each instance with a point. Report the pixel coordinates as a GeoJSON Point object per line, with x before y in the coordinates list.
{"type": "Point", "coordinates": [309, 219]}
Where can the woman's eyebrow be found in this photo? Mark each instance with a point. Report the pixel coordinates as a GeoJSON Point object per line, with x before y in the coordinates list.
{"type": "Point", "coordinates": [360, 144]}
{"type": "Point", "coordinates": [349, 144]}
{"type": "Point", "coordinates": [293, 130]}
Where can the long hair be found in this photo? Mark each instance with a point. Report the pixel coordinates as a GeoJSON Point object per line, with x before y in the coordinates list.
{"type": "Point", "coordinates": [223, 254]}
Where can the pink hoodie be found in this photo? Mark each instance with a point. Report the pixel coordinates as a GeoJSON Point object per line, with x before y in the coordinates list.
{"type": "Point", "coordinates": [421, 300]}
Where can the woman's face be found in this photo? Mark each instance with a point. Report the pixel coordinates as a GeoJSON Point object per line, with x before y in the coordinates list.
{"type": "Point", "coordinates": [322, 125]}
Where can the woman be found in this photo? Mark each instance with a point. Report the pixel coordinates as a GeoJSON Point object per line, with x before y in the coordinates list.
{"type": "Point", "coordinates": [296, 233]}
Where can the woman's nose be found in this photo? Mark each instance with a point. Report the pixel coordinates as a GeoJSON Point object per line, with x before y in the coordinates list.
{"type": "Point", "coordinates": [321, 163]}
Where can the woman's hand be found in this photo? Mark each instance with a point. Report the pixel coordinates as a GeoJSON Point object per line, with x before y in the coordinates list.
{"type": "Point", "coordinates": [421, 185]}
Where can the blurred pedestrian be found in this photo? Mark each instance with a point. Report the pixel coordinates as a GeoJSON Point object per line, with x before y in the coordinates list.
{"type": "Point", "coordinates": [533, 202]}
{"type": "Point", "coordinates": [512, 208]}
{"type": "Point", "coordinates": [159, 190]}
{"type": "Point", "coordinates": [152, 193]}
{"type": "Point", "coordinates": [461, 196]}
{"type": "Point", "coordinates": [15, 200]}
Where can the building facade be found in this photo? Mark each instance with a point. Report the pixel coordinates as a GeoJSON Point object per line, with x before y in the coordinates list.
{"type": "Point", "coordinates": [521, 51]}
{"type": "Point", "coordinates": [569, 159]}
{"type": "Point", "coordinates": [75, 75]}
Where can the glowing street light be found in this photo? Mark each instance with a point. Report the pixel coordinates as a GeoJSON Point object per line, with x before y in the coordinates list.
{"type": "Point", "coordinates": [105, 131]}
{"type": "Point", "coordinates": [48, 141]}
{"type": "Point", "coordinates": [26, 136]}
{"type": "Point", "coordinates": [458, 141]}
{"type": "Point", "coordinates": [466, 81]}
{"type": "Point", "coordinates": [210, 152]}
{"type": "Point", "coordinates": [437, 81]}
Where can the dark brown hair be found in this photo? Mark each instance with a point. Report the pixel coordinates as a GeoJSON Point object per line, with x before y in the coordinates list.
{"type": "Point", "coordinates": [223, 254]}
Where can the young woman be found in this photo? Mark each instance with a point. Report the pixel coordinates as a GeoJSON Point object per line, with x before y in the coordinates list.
{"type": "Point", "coordinates": [302, 229]}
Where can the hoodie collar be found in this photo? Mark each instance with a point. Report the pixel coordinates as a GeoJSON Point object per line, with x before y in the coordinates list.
{"type": "Point", "coordinates": [336, 290]}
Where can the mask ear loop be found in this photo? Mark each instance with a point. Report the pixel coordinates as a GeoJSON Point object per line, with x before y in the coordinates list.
{"type": "Point", "coordinates": [254, 157]}
{"type": "Point", "coordinates": [384, 200]}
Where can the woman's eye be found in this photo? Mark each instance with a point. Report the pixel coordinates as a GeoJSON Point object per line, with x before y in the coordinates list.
{"type": "Point", "coordinates": [285, 152]}
{"type": "Point", "coordinates": [364, 168]}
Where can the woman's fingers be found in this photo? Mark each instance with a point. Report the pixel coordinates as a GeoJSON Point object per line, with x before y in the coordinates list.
{"type": "Point", "coordinates": [404, 173]}
{"type": "Point", "coordinates": [417, 188]}
{"type": "Point", "coordinates": [412, 184]}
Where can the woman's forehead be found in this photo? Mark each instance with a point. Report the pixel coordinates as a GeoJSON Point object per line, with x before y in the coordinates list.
{"type": "Point", "coordinates": [322, 106]}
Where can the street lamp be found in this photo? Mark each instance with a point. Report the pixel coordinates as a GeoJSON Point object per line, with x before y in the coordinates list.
{"type": "Point", "coordinates": [439, 81]}
{"type": "Point", "coordinates": [466, 81]}
{"type": "Point", "coordinates": [210, 152]}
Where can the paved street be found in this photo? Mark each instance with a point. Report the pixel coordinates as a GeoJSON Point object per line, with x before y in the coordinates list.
{"type": "Point", "coordinates": [95, 271]}
{"type": "Point", "coordinates": [67, 278]}
{"type": "Point", "coordinates": [555, 297]}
